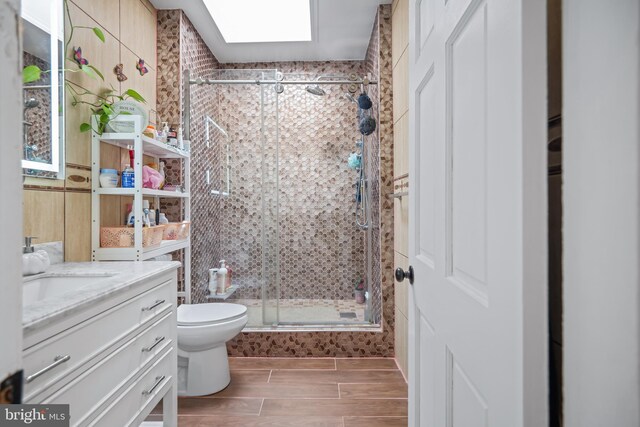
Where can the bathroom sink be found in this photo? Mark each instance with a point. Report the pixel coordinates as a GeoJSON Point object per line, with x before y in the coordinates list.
{"type": "Point", "coordinates": [47, 285]}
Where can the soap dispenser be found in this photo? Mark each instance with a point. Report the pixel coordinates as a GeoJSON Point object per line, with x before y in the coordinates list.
{"type": "Point", "coordinates": [222, 277]}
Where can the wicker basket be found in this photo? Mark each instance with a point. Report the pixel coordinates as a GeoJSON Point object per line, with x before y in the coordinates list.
{"type": "Point", "coordinates": [123, 237]}
{"type": "Point", "coordinates": [176, 230]}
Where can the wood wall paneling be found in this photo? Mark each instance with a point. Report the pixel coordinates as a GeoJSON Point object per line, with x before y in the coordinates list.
{"type": "Point", "coordinates": [77, 179]}
{"type": "Point", "coordinates": [77, 144]}
{"type": "Point", "coordinates": [145, 85]}
{"type": "Point", "coordinates": [138, 29]}
{"type": "Point", "coordinates": [401, 146]}
{"type": "Point", "coordinates": [43, 215]}
{"type": "Point", "coordinates": [77, 221]}
{"type": "Point", "coordinates": [130, 33]}
{"type": "Point", "coordinates": [401, 86]}
{"type": "Point", "coordinates": [401, 224]}
{"type": "Point", "coordinates": [400, 28]}
{"type": "Point", "coordinates": [401, 341]}
{"type": "Point", "coordinates": [400, 54]}
{"type": "Point", "coordinates": [401, 288]}
{"type": "Point", "coordinates": [106, 12]}
{"type": "Point", "coordinates": [104, 56]}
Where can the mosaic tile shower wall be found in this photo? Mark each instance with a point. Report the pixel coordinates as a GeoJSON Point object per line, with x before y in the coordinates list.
{"type": "Point", "coordinates": [252, 202]}
{"type": "Point", "coordinates": [205, 236]}
{"type": "Point", "coordinates": [322, 253]}
{"type": "Point", "coordinates": [169, 66]}
{"type": "Point", "coordinates": [385, 168]}
{"type": "Point", "coordinates": [180, 48]}
{"type": "Point", "coordinates": [356, 344]}
{"type": "Point", "coordinates": [381, 236]}
{"type": "Point", "coordinates": [303, 343]}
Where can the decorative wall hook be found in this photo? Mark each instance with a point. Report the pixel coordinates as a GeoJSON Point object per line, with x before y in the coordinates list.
{"type": "Point", "coordinates": [119, 72]}
{"type": "Point", "coordinates": [77, 56]}
{"type": "Point", "coordinates": [140, 67]}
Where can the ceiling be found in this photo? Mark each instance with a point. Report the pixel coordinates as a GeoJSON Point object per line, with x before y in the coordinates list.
{"type": "Point", "coordinates": [340, 31]}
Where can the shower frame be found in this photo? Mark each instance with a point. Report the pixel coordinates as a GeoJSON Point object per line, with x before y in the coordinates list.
{"type": "Point", "coordinates": [275, 83]}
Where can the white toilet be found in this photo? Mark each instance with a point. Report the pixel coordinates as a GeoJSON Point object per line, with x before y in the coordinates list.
{"type": "Point", "coordinates": [203, 330]}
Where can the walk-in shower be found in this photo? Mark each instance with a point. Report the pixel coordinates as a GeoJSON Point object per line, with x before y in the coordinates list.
{"type": "Point", "coordinates": [275, 195]}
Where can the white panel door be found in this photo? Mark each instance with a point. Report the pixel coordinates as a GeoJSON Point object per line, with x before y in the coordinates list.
{"type": "Point", "coordinates": [601, 223]}
{"type": "Point", "coordinates": [10, 191]}
{"type": "Point", "coordinates": [478, 328]}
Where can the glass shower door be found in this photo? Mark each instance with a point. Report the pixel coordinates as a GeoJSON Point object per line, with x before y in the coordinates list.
{"type": "Point", "coordinates": [270, 198]}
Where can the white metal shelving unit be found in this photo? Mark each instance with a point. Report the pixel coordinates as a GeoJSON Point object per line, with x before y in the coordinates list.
{"type": "Point", "coordinates": [141, 145]}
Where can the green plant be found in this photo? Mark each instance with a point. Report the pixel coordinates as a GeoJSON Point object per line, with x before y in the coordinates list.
{"type": "Point", "coordinates": [100, 104]}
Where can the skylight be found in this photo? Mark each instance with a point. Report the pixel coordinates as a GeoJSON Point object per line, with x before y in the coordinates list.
{"type": "Point", "coordinates": [251, 21]}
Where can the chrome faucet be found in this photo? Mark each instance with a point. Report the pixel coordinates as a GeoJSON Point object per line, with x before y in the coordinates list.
{"type": "Point", "coordinates": [28, 248]}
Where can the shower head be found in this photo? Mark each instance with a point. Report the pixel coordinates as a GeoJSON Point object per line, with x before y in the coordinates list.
{"type": "Point", "coordinates": [31, 103]}
{"type": "Point", "coordinates": [350, 97]}
{"type": "Point", "coordinates": [315, 90]}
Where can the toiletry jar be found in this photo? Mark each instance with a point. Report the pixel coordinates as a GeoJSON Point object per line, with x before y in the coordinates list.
{"type": "Point", "coordinates": [108, 178]}
{"type": "Point", "coordinates": [176, 230]}
{"type": "Point", "coordinates": [123, 237]}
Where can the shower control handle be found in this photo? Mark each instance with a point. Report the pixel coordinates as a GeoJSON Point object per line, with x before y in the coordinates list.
{"type": "Point", "coordinates": [401, 274]}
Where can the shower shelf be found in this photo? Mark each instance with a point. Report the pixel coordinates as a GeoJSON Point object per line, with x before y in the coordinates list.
{"type": "Point", "coordinates": [142, 146]}
{"type": "Point", "coordinates": [150, 146]}
{"type": "Point", "coordinates": [146, 192]}
{"type": "Point", "coordinates": [224, 296]}
{"type": "Point", "coordinates": [129, 254]}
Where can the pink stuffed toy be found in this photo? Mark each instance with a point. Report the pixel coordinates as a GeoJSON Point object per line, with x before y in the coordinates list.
{"type": "Point", "coordinates": [151, 178]}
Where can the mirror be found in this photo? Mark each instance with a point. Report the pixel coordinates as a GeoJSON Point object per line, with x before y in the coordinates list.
{"type": "Point", "coordinates": [43, 117]}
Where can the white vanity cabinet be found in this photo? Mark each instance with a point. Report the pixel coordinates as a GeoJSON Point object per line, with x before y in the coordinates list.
{"type": "Point", "coordinates": [113, 360]}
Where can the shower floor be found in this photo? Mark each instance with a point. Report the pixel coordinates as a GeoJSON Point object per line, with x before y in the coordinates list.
{"type": "Point", "coordinates": [307, 311]}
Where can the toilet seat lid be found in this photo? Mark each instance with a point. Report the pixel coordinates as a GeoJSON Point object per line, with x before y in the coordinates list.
{"type": "Point", "coordinates": [206, 314]}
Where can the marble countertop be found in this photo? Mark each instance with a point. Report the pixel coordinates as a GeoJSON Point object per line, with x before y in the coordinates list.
{"type": "Point", "coordinates": [122, 276]}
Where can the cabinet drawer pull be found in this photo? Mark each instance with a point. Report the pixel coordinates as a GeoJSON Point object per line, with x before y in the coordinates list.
{"type": "Point", "coordinates": [57, 361]}
{"type": "Point", "coordinates": [158, 382]}
{"type": "Point", "coordinates": [154, 305]}
{"type": "Point", "coordinates": [152, 346]}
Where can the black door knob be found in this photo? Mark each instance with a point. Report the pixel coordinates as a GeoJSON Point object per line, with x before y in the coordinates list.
{"type": "Point", "coordinates": [401, 274]}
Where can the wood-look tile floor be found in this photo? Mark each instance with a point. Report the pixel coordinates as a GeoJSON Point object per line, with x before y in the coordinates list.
{"type": "Point", "coordinates": [303, 393]}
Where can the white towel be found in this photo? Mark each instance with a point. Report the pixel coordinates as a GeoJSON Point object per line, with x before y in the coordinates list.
{"type": "Point", "coordinates": [34, 263]}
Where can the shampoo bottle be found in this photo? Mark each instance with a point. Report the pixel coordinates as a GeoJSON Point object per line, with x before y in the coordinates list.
{"type": "Point", "coordinates": [180, 139]}
{"type": "Point", "coordinates": [222, 277]}
{"type": "Point", "coordinates": [129, 220]}
{"type": "Point", "coordinates": [145, 213]}
{"type": "Point", "coordinates": [213, 281]}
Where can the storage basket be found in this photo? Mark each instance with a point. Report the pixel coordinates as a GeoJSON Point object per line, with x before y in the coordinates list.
{"type": "Point", "coordinates": [123, 237]}
{"type": "Point", "coordinates": [176, 230]}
